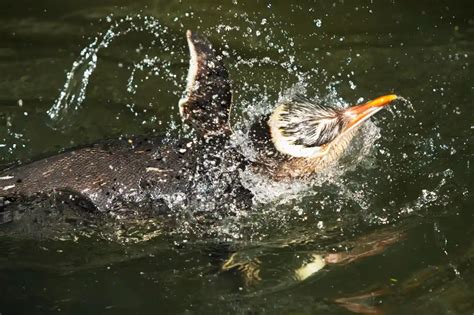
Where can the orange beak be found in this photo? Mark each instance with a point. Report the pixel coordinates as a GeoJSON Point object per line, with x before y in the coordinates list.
{"type": "Point", "coordinates": [359, 113]}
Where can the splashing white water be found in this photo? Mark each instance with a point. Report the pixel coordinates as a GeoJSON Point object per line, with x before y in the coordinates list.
{"type": "Point", "coordinates": [265, 189]}
{"type": "Point", "coordinates": [73, 93]}
{"type": "Point", "coordinates": [255, 103]}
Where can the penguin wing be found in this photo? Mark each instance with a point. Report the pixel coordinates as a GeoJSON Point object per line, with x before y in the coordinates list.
{"type": "Point", "coordinates": [207, 99]}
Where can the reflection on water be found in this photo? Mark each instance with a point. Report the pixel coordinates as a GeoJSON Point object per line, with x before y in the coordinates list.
{"type": "Point", "coordinates": [386, 230]}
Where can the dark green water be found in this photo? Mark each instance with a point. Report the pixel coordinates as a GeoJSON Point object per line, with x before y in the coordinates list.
{"type": "Point", "coordinates": [395, 226]}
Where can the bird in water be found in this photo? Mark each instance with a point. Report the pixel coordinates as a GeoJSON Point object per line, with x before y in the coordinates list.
{"type": "Point", "coordinates": [144, 177]}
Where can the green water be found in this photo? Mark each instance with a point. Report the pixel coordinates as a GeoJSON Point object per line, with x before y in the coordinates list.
{"type": "Point", "coordinates": [397, 223]}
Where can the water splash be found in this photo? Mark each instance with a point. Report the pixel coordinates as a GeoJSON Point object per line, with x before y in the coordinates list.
{"type": "Point", "coordinates": [266, 190]}
{"type": "Point", "coordinates": [73, 93]}
{"type": "Point", "coordinates": [331, 191]}
{"type": "Point", "coordinates": [393, 108]}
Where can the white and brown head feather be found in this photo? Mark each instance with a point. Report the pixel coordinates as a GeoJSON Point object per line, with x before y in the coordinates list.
{"type": "Point", "coordinates": [301, 128]}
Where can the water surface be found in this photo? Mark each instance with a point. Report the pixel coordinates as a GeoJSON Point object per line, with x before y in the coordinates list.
{"type": "Point", "coordinates": [394, 220]}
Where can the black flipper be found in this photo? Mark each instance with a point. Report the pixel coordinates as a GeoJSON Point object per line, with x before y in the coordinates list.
{"type": "Point", "coordinates": [208, 97]}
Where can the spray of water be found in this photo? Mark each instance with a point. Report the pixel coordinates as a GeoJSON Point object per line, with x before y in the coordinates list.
{"type": "Point", "coordinates": [73, 93]}
{"type": "Point", "coordinates": [336, 197]}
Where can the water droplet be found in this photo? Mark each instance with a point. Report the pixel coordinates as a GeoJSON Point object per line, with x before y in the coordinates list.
{"type": "Point", "coordinates": [352, 85]}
